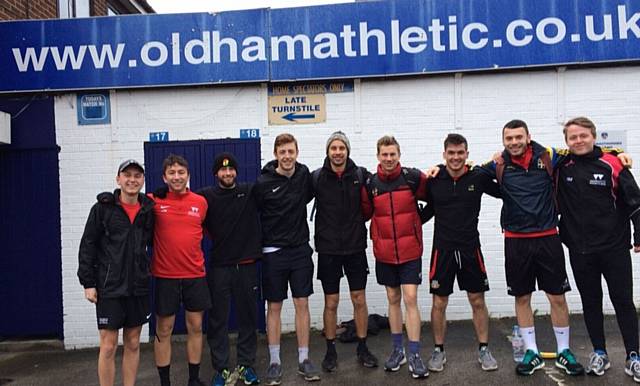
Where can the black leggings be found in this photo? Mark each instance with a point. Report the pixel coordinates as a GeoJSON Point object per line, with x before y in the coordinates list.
{"type": "Point", "coordinates": [588, 270]}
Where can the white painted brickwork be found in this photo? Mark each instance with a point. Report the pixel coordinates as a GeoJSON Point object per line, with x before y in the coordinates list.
{"type": "Point", "coordinates": [419, 111]}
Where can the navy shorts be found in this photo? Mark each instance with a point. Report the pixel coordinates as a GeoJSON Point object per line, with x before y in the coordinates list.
{"type": "Point", "coordinates": [331, 268]}
{"type": "Point", "coordinates": [192, 293]}
{"type": "Point", "coordinates": [287, 267]}
{"type": "Point", "coordinates": [394, 275]}
{"type": "Point", "coordinates": [531, 260]}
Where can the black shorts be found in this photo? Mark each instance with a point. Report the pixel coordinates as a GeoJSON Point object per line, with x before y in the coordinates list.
{"type": "Point", "coordinates": [332, 267]}
{"type": "Point", "coordinates": [126, 311]}
{"type": "Point", "coordinates": [192, 293]}
{"type": "Point", "coordinates": [394, 275]}
{"type": "Point", "coordinates": [292, 265]}
{"type": "Point", "coordinates": [540, 259]}
{"type": "Point", "coordinates": [467, 266]}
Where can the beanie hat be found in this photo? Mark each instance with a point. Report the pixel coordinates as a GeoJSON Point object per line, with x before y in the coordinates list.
{"type": "Point", "coordinates": [339, 135]}
{"type": "Point", "coordinates": [223, 160]}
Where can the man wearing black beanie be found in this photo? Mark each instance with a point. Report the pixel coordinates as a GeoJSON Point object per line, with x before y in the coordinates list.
{"type": "Point", "coordinates": [232, 223]}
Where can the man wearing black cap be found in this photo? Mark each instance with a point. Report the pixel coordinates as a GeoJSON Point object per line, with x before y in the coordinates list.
{"type": "Point", "coordinates": [113, 268]}
{"type": "Point", "coordinates": [232, 223]}
{"type": "Point", "coordinates": [341, 241]}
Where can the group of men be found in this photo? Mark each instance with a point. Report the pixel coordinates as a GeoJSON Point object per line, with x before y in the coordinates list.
{"type": "Point", "coordinates": [267, 221]}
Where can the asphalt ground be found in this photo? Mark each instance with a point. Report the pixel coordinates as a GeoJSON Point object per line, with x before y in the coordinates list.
{"type": "Point", "coordinates": [54, 366]}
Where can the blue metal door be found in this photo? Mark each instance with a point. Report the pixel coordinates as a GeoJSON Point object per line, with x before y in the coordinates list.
{"type": "Point", "coordinates": [30, 247]}
{"type": "Point", "coordinates": [200, 155]}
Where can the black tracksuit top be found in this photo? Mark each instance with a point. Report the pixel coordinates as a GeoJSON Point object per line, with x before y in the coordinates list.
{"type": "Point", "coordinates": [456, 206]}
{"type": "Point", "coordinates": [340, 225]}
{"type": "Point", "coordinates": [233, 224]}
{"type": "Point", "coordinates": [282, 202]}
{"type": "Point", "coordinates": [597, 197]}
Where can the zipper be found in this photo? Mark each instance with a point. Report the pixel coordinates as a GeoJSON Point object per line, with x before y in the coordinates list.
{"type": "Point", "coordinates": [107, 276]}
{"type": "Point", "coordinates": [393, 226]}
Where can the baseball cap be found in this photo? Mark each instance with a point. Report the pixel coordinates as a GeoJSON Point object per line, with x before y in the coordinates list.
{"type": "Point", "coordinates": [130, 162]}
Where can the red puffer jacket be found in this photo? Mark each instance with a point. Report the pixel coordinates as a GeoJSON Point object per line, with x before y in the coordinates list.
{"type": "Point", "coordinates": [396, 229]}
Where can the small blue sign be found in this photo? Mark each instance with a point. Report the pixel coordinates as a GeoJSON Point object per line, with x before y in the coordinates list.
{"type": "Point", "coordinates": [249, 133]}
{"type": "Point", "coordinates": [159, 136]}
{"type": "Point", "coordinates": [94, 108]}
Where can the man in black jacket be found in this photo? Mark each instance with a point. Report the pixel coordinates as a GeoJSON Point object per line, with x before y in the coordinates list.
{"type": "Point", "coordinates": [454, 197]}
{"type": "Point", "coordinates": [233, 225]}
{"type": "Point", "coordinates": [597, 197]}
{"type": "Point", "coordinates": [113, 268]}
{"type": "Point", "coordinates": [282, 192]}
{"type": "Point", "coordinates": [341, 241]}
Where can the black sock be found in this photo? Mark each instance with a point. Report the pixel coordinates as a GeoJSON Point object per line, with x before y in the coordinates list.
{"type": "Point", "coordinates": [362, 344]}
{"type": "Point", "coordinates": [331, 346]}
{"type": "Point", "coordinates": [163, 371]}
{"type": "Point", "coordinates": [482, 345]}
{"type": "Point", "coordinates": [194, 371]}
{"type": "Point", "coordinates": [440, 346]}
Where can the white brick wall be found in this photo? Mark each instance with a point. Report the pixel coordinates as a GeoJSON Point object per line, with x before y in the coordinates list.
{"type": "Point", "coordinates": [419, 111]}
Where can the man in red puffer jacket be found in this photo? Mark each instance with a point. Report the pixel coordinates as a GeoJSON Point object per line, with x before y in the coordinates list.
{"type": "Point", "coordinates": [396, 231]}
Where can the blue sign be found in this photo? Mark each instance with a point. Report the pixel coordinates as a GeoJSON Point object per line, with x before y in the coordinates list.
{"type": "Point", "coordinates": [249, 133]}
{"type": "Point", "coordinates": [380, 38]}
{"type": "Point", "coordinates": [94, 108]}
{"type": "Point", "coordinates": [159, 136]}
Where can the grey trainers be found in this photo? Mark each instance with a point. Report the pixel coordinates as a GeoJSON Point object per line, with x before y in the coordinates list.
{"type": "Point", "coordinates": [486, 359]}
{"type": "Point", "coordinates": [308, 371]}
{"type": "Point", "coordinates": [632, 367]}
{"type": "Point", "coordinates": [598, 364]}
{"type": "Point", "coordinates": [417, 369]}
{"type": "Point", "coordinates": [396, 359]}
{"type": "Point", "coordinates": [274, 374]}
{"type": "Point", "coordinates": [437, 360]}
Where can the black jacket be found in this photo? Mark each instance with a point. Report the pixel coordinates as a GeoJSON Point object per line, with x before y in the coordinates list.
{"type": "Point", "coordinates": [528, 204]}
{"type": "Point", "coordinates": [282, 202]}
{"type": "Point", "coordinates": [456, 206]}
{"type": "Point", "coordinates": [597, 196]}
{"type": "Point", "coordinates": [339, 222]}
{"type": "Point", "coordinates": [233, 224]}
{"type": "Point", "coordinates": [113, 252]}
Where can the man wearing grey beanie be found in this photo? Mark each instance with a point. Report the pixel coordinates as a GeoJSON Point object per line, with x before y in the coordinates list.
{"type": "Point", "coordinates": [341, 241]}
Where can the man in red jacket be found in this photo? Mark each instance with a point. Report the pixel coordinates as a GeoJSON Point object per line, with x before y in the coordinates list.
{"type": "Point", "coordinates": [396, 230]}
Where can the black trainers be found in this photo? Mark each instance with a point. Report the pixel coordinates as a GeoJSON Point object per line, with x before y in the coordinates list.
{"type": "Point", "coordinates": [366, 358]}
{"type": "Point", "coordinates": [330, 362]}
{"type": "Point", "coordinates": [530, 363]}
{"type": "Point", "coordinates": [567, 361]}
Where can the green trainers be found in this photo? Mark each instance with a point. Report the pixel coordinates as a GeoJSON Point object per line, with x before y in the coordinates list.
{"type": "Point", "coordinates": [530, 363]}
{"type": "Point", "coordinates": [568, 362]}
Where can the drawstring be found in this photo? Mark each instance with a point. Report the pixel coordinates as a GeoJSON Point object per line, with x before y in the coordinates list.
{"type": "Point", "coordinates": [458, 257]}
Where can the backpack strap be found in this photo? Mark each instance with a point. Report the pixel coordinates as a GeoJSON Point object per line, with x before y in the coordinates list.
{"type": "Point", "coordinates": [315, 176]}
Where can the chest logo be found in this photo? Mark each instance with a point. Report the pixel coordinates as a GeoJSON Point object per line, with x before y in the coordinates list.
{"type": "Point", "coordinates": [541, 164]}
{"type": "Point", "coordinates": [471, 188]}
{"type": "Point", "coordinates": [598, 180]}
{"type": "Point", "coordinates": [275, 189]}
{"type": "Point", "coordinates": [569, 179]}
{"type": "Point", "coordinates": [195, 211]}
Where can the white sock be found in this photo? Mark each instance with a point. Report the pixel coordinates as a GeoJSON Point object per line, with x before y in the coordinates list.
{"type": "Point", "coordinates": [529, 336]}
{"type": "Point", "coordinates": [562, 338]}
{"type": "Point", "coordinates": [274, 353]}
{"type": "Point", "coordinates": [303, 353]}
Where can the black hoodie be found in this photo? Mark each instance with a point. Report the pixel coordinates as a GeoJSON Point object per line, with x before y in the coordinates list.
{"type": "Point", "coordinates": [233, 225]}
{"type": "Point", "coordinates": [282, 202]}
